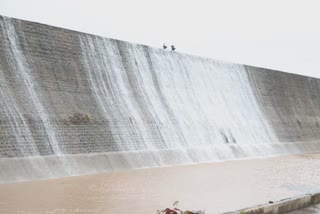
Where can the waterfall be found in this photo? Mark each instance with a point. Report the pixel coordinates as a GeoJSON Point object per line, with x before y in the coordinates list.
{"type": "Point", "coordinates": [20, 130]}
{"type": "Point", "coordinates": [73, 103]}
{"type": "Point", "coordinates": [162, 100]}
{"type": "Point", "coordinates": [24, 74]}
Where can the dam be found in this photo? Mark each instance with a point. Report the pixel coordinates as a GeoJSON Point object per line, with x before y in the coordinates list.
{"type": "Point", "coordinates": [73, 103]}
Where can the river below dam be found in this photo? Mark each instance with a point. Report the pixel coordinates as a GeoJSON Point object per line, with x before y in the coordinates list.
{"type": "Point", "coordinates": [216, 187]}
{"type": "Point", "coordinates": [97, 125]}
{"type": "Point", "coordinates": [74, 104]}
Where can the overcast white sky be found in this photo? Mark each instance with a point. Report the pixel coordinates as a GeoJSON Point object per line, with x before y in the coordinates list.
{"type": "Point", "coordinates": [277, 34]}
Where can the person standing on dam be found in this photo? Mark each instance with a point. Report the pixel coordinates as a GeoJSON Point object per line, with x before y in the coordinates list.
{"type": "Point", "coordinates": [173, 48]}
{"type": "Point", "coordinates": [164, 46]}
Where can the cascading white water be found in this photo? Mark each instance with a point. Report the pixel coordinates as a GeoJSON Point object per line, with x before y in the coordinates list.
{"type": "Point", "coordinates": [194, 103]}
{"type": "Point", "coordinates": [24, 74]}
{"type": "Point", "coordinates": [143, 107]}
{"type": "Point", "coordinates": [20, 130]}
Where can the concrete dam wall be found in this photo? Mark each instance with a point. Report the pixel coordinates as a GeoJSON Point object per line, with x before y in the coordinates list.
{"type": "Point", "coordinates": [73, 103]}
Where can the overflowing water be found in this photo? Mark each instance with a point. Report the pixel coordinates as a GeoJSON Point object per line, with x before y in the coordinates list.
{"type": "Point", "coordinates": [22, 68]}
{"type": "Point", "coordinates": [161, 100]}
{"type": "Point", "coordinates": [19, 128]}
{"type": "Point", "coordinates": [148, 107]}
{"type": "Point", "coordinates": [23, 71]}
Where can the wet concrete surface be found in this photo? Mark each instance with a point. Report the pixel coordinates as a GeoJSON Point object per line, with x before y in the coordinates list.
{"type": "Point", "coordinates": [314, 209]}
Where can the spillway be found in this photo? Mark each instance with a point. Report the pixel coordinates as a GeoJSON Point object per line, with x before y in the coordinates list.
{"type": "Point", "coordinates": [73, 103]}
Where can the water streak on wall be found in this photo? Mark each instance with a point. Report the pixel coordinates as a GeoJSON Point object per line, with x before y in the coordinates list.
{"type": "Point", "coordinates": [73, 103]}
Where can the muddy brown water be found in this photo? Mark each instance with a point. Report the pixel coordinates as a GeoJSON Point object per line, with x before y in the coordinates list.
{"type": "Point", "coordinates": [216, 187]}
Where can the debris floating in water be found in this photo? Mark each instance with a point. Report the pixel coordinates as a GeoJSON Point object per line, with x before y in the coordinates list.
{"type": "Point", "coordinates": [176, 210]}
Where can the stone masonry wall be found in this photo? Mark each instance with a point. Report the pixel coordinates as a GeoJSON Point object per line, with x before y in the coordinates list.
{"type": "Point", "coordinates": [290, 102]}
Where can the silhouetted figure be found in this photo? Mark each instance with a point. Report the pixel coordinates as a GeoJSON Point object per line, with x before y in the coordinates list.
{"type": "Point", "coordinates": [164, 46]}
{"type": "Point", "coordinates": [172, 47]}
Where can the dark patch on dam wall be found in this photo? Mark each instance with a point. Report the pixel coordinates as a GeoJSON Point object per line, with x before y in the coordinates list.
{"type": "Point", "coordinates": [290, 102]}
